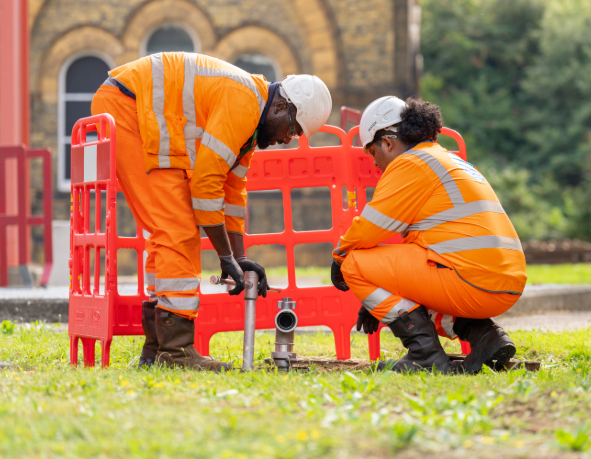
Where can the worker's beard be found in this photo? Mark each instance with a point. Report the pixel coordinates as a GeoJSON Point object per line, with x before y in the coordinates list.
{"type": "Point", "coordinates": [268, 132]}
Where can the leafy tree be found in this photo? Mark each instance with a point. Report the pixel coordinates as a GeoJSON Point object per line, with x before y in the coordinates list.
{"type": "Point", "coordinates": [514, 77]}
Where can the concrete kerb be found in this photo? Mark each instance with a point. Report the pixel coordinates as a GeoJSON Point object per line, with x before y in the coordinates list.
{"type": "Point", "coordinates": [26, 305]}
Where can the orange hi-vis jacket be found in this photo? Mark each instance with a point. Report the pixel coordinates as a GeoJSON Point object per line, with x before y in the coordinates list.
{"type": "Point", "coordinates": [200, 114]}
{"type": "Point", "coordinates": [444, 204]}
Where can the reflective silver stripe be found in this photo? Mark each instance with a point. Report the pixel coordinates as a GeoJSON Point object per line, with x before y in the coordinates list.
{"type": "Point", "coordinates": [183, 304]}
{"type": "Point", "coordinates": [338, 252]}
{"type": "Point", "coordinates": [209, 205]}
{"type": "Point", "coordinates": [383, 221]}
{"type": "Point", "coordinates": [242, 79]}
{"type": "Point", "coordinates": [177, 285]}
{"type": "Point", "coordinates": [151, 278]}
{"type": "Point", "coordinates": [191, 130]}
{"type": "Point", "coordinates": [450, 185]}
{"type": "Point", "coordinates": [220, 148]}
{"type": "Point", "coordinates": [457, 213]}
{"type": "Point", "coordinates": [163, 162]}
{"type": "Point", "coordinates": [376, 297]}
{"type": "Point", "coordinates": [232, 210]}
{"type": "Point", "coordinates": [240, 171]}
{"type": "Point", "coordinates": [447, 323]}
{"type": "Point", "coordinates": [402, 306]}
{"type": "Point", "coordinates": [110, 81]}
{"type": "Point", "coordinates": [475, 243]}
{"type": "Point", "coordinates": [158, 105]}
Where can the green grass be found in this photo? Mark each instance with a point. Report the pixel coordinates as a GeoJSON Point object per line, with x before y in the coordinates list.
{"type": "Point", "coordinates": [49, 410]}
{"type": "Point", "coordinates": [573, 273]}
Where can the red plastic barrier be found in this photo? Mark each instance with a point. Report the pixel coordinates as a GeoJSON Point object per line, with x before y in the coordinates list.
{"type": "Point", "coordinates": [98, 315]}
{"type": "Point", "coordinates": [350, 115]}
{"type": "Point", "coordinates": [22, 219]}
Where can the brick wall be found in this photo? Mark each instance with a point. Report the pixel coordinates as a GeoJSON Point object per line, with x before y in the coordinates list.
{"type": "Point", "coordinates": [357, 48]}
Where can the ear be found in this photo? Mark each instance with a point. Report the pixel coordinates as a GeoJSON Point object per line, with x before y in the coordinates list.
{"type": "Point", "coordinates": [280, 106]}
{"type": "Point", "coordinates": [389, 143]}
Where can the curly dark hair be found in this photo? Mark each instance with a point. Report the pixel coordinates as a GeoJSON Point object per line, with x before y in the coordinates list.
{"type": "Point", "coordinates": [421, 121]}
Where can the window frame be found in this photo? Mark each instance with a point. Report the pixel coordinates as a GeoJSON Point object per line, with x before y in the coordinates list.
{"type": "Point", "coordinates": [276, 67]}
{"type": "Point", "coordinates": [192, 35]}
{"type": "Point", "coordinates": [64, 184]}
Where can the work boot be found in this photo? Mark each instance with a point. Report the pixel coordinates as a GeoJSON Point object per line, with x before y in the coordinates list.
{"type": "Point", "coordinates": [419, 336]}
{"type": "Point", "coordinates": [176, 336]}
{"type": "Point", "coordinates": [149, 325]}
{"type": "Point", "coordinates": [489, 342]}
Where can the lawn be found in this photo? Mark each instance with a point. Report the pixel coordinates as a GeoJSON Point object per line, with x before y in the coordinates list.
{"type": "Point", "coordinates": [572, 273]}
{"type": "Point", "coordinates": [49, 410]}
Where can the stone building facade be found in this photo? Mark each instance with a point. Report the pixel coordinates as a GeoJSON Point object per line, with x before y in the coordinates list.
{"type": "Point", "coordinates": [361, 50]}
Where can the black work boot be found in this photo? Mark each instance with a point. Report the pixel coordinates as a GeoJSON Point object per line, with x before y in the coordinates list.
{"type": "Point", "coordinates": [419, 336]}
{"type": "Point", "coordinates": [149, 325]}
{"type": "Point", "coordinates": [489, 342]}
{"type": "Point", "coordinates": [176, 336]}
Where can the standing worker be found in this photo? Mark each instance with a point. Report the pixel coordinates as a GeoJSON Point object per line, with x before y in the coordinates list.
{"type": "Point", "coordinates": [188, 118]}
{"type": "Point", "coordinates": [460, 262]}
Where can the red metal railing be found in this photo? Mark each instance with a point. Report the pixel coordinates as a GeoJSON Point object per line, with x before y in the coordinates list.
{"type": "Point", "coordinates": [22, 220]}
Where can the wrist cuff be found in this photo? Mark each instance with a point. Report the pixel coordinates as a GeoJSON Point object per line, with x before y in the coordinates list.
{"type": "Point", "coordinates": [241, 259]}
{"type": "Point", "coordinates": [226, 257]}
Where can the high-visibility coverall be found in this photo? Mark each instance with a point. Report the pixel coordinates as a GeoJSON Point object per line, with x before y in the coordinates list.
{"type": "Point", "coordinates": [460, 254]}
{"type": "Point", "coordinates": [193, 120]}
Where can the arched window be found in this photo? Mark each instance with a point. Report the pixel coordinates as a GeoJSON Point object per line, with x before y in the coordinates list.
{"type": "Point", "coordinates": [259, 64]}
{"type": "Point", "coordinates": [170, 38]}
{"type": "Point", "coordinates": [79, 80]}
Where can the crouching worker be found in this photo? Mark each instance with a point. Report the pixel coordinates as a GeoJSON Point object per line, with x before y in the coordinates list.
{"type": "Point", "coordinates": [460, 262]}
{"type": "Point", "coordinates": [185, 118]}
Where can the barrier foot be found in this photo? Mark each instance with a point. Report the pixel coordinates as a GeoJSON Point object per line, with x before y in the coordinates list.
{"type": "Point", "coordinates": [105, 353]}
{"type": "Point", "coordinates": [342, 343]}
{"type": "Point", "coordinates": [88, 349]}
{"type": "Point", "coordinates": [374, 345]}
{"type": "Point", "coordinates": [202, 343]}
{"type": "Point", "coordinates": [74, 350]}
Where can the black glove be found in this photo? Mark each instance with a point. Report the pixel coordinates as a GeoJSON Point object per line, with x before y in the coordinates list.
{"type": "Point", "coordinates": [232, 269]}
{"type": "Point", "coordinates": [369, 322]}
{"type": "Point", "coordinates": [248, 265]}
{"type": "Point", "coordinates": [336, 276]}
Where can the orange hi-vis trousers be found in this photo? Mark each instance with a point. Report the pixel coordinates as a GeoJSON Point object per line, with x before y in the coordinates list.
{"type": "Point", "coordinates": [393, 279]}
{"type": "Point", "coordinates": [161, 204]}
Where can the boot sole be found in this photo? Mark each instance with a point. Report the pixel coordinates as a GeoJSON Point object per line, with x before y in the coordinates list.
{"type": "Point", "coordinates": [501, 357]}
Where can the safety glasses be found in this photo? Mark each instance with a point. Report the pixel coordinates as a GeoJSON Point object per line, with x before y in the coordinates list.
{"type": "Point", "coordinates": [292, 133]}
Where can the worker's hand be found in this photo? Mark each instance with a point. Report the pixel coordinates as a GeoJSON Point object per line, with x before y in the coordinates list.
{"type": "Point", "coordinates": [369, 322]}
{"type": "Point", "coordinates": [231, 268]}
{"type": "Point", "coordinates": [247, 265]}
{"type": "Point", "coordinates": [336, 276]}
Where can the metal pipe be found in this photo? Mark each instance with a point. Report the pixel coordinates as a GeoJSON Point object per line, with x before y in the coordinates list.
{"type": "Point", "coordinates": [286, 321]}
{"type": "Point", "coordinates": [217, 280]}
{"type": "Point", "coordinates": [250, 306]}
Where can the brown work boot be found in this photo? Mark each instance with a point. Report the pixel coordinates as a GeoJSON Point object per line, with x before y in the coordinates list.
{"type": "Point", "coordinates": [150, 348]}
{"type": "Point", "coordinates": [490, 345]}
{"type": "Point", "coordinates": [419, 336]}
{"type": "Point", "coordinates": [176, 336]}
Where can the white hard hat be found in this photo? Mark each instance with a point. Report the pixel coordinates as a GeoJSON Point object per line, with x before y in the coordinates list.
{"type": "Point", "coordinates": [380, 114]}
{"type": "Point", "coordinates": [312, 100]}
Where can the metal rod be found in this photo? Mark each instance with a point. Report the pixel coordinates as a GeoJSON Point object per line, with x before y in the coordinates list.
{"type": "Point", "coordinates": [250, 305]}
{"type": "Point", "coordinates": [217, 280]}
